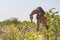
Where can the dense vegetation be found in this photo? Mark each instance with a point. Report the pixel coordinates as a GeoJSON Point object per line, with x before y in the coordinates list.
{"type": "Point", "coordinates": [13, 29]}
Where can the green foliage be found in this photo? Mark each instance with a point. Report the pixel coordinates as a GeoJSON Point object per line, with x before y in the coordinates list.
{"type": "Point", "coordinates": [13, 29]}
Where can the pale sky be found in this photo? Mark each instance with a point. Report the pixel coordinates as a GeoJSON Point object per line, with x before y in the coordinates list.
{"type": "Point", "coordinates": [22, 8]}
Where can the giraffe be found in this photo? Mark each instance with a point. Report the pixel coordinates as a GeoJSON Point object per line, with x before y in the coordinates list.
{"type": "Point", "coordinates": [40, 17]}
